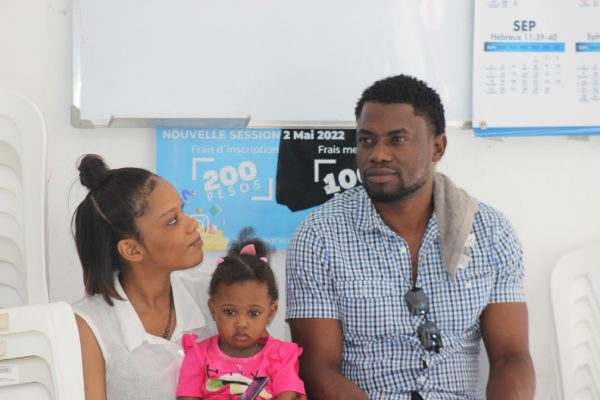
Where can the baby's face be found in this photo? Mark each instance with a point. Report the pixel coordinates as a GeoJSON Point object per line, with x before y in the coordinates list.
{"type": "Point", "coordinates": [242, 312]}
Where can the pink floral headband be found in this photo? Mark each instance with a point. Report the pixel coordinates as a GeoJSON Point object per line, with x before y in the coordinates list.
{"type": "Point", "coordinates": [248, 249]}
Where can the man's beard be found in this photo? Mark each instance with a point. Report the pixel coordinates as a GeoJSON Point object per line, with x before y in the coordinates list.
{"type": "Point", "coordinates": [401, 192]}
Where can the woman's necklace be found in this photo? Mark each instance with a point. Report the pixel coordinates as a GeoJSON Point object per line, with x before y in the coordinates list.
{"type": "Point", "coordinates": [171, 308]}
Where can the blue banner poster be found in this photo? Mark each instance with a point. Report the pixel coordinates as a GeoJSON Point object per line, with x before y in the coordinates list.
{"type": "Point", "coordinates": [226, 179]}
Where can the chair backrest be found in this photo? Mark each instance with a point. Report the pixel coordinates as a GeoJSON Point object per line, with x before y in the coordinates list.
{"type": "Point", "coordinates": [22, 202]}
{"type": "Point", "coordinates": [575, 289]}
{"type": "Point", "coordinates": [40, 354]}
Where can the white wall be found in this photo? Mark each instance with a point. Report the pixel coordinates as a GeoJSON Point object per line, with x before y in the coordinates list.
{"type": "Point", "coordinates": [547, 186]}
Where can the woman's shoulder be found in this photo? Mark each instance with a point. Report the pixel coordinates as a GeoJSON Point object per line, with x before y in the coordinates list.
{"type": "Point", "coordinates": [192, 281]}
{"type": "Point", "coordinates": [190, 290]}
{"type": "Point", "coordinates": [92, 306]}
{"type": "Point", "coordinates": [102, 322]}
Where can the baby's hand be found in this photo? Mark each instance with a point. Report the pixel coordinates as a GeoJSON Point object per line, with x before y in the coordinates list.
{"type": "Point", "coordinates": [290, 396]}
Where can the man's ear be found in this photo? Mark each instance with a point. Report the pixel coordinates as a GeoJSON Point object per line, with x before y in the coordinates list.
{"type": "Point", "coordinates": [439, 146]}
{"type": "Point", "coordinates": [131, 250]}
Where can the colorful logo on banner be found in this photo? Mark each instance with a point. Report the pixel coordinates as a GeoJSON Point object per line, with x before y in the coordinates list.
{"type": "Point", "coordinates": [231, 178]}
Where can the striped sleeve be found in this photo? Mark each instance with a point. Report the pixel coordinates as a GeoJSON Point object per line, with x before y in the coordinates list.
{"type": "Point", "coordinates": [310, 287]}
{"type": "Point", "coordinates": [508, 262]}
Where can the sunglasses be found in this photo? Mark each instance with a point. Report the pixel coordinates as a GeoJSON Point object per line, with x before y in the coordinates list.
{"type": "Point", "coordinates": [428, 332]}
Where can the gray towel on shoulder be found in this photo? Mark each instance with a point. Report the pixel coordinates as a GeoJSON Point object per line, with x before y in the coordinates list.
{"type": "Point", "coordinates": [455, 212]}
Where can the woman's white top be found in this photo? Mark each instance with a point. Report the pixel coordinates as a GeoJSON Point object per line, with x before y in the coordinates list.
{"type": "Point", "coordinates": [140, 365]}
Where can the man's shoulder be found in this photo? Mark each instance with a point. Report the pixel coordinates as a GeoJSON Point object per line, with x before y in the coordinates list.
{"type": "Point", "coordinates": [489, 214]}
{"type": "Point", "coordinates": [491, 220]}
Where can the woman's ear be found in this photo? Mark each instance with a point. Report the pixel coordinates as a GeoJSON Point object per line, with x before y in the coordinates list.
{"type": "Point", "coordinates": [131, 250]}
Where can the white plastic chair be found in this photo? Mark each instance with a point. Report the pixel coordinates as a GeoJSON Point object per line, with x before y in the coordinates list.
{"type": "Point", "coordinates": [9, 274]}
{"type": "Point", "coordinates": [12, 286]}
{"type": "Point", "coordinates": [575, 289]}
{"type": "Point", "coordinates": [11, 205]}
{"type": "Point", "coordinates": [10, 229]}
{"type": "Point", "coordinates": [11, 181]}
{"type": "Point", "coordinates": [8, 154]}
{"type": "Point", "coordinates": [23, 183]}
{"type": "Point", "coordinates": [12, 270]}
{"type": "Point", "coordinates": [40, 354]}
{"type": "Point", "coordinates": [11, 254]}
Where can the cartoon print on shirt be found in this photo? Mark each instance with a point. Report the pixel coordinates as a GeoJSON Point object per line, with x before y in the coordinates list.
{"type": "Point", "coordinates": [237, 383]}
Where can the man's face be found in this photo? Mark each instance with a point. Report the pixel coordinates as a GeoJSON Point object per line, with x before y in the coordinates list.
{"type": "Point", "coordinates": [396, 150]}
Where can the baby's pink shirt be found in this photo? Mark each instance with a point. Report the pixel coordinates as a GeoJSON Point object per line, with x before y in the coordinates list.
{"type": "Point", "coordinates": [208, 373]}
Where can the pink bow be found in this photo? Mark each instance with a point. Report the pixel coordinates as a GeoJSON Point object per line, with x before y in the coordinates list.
{"type": "Point", "coordinates": [248, 249]}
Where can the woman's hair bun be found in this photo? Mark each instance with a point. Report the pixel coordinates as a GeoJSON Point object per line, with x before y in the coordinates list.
{"type": "Point", "coordinates": [92, 171]}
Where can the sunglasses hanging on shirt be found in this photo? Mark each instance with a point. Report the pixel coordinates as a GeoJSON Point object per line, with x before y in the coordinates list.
{"type": "Point", "coordinates": [428, 332]}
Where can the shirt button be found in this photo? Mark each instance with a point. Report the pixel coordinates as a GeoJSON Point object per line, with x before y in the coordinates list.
{"type": "Point", "coordinates": [422, 379]}
{"type": "Point", "coordinates": [468, 285]}
{"type": "Point", "coordinates": [403, 250]}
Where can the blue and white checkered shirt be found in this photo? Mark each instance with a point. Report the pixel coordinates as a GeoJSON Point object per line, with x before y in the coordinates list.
{"type": "Point", "coordinates": [344, 263]}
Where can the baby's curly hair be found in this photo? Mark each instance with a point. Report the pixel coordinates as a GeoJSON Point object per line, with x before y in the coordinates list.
{"type": "Point", "coordinates": [237, 267]}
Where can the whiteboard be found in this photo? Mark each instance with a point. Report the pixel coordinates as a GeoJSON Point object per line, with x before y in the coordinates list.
{"type": "Point", "coordinates": [261, 62]}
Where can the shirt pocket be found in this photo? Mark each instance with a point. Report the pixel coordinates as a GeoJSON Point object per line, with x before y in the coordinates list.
{"type": "Point", "coordinates": [468, 296]}
{"type": "Point", "coordinates": [368, 308]}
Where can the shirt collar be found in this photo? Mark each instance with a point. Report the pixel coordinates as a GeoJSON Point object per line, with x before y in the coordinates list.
{"type": "Point", "coordinates": [369, 220]}
{"type": "Point", "coordinates": [189, 315]}
{"type": "Point", "coordinates": [452, 219]}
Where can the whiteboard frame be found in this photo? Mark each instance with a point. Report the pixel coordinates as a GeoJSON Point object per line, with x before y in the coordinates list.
{"type": "Point", "coordinates": [170, 122]}
{"type": "Point", "coordinates": [125, 122]}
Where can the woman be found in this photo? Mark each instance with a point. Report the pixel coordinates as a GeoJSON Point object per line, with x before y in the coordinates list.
{"type": "Point", "coordinates": [131, 234]}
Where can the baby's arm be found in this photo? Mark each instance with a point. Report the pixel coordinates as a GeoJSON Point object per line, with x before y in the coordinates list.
{"type": "Point", "coordinates": [290, 396]}
{"type": "Point", "coordinates": [191, 378]}
{"type": "Point", "coordinates": [284, 376]}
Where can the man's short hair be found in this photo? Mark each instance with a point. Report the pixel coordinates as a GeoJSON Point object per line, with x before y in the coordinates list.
{"type": "Point", "coordinates": [407, 90]}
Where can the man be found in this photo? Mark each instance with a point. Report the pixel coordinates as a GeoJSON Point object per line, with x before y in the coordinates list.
{"type": "Point", "coordinates": [392, 285]}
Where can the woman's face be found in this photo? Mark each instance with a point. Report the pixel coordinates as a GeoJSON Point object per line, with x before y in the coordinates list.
{"type": "Point", "coordinates": [169, 237]}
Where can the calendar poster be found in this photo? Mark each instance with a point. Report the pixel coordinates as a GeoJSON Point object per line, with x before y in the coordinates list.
{"type": "Point", "coordinates": [536, 67]}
